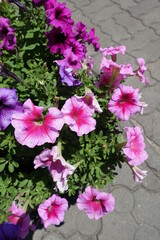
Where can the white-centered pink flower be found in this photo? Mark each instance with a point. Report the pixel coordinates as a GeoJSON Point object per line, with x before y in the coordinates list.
{"type": "Point", "coordinates": [31, 129]}
{"type": "Point", "coordinates": [52, 210]}
{"type": "Point", "coordinates": [57, 166]}
{"type": "Point", "coordinates": [78, 116]}
{"type": "Point", "coordinates": [135, 146]}
{"type": "Point", "coordinates": [125, 102]}
{"type": "Point", "coordinates": [140, 72]}
{"type": "Point", "coordinates": [18, 216]}
{"type": "Point", "coordinates": [95, 203]}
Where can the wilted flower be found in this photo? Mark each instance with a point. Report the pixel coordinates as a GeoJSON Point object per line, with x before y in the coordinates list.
{"type": "Point", "coordinates": [138, 174]}
{"type": "Point", "coordinates": [52, 210]}
{"type": "Point", "coordinates": [31, 129]}
{"type": "Point", "coordinates": [8, 105]}
{"type": "Point", "coordinates": [78, 116]}
{"type": "Point", "coordinates": [95, 203]}
{"type": "Point", "coordinates": [18, 216]}
{"type": "Point", "coordinates": [57, 166]}
{"type": "Point", "coordinates": [135, 147]}
{"type": "Point", "coordinates": [140, 72]}
{"type": "Point", "coordinates": [125, 102]}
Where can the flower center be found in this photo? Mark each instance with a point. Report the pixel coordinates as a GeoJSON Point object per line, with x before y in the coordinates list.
{"type": "Point", "coordinates": [38, 121]}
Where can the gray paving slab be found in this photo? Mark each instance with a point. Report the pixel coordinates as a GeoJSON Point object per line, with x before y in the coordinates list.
{"type": "Point", "coordinates": [136, 24]}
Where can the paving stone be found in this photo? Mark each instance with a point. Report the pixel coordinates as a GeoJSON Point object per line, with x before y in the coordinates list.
{"type": "Point", "coordinates": [124, 199]}
{"type": "Point", "coordinates": [118, 226]}
{"type": "Point", "coordinates": [153, 16]}
{"type": "Point", "coordinates": [77, 237]}
{"type": "Point", "coordinates": [116, 31]}
{"type": "Point", "coordinates": [79, 16]}
{"type": "Point", "coordinates": [96, 6]}
{"type": "Point", "coordinates": [147, 232]}
{"type": "Point", "coordinates": [53, 235]}
{"type": "Point", "coordinates": [147, 209]}
{"type": "Point", "coordinates": [86, 226]}
{"type": "Point", "coordinates": [153, 151]}
{"type": "Point", "coordinates": [79, 3]}
{"type": "Point", "coordinates": [151, 182]}
{"type": "Point", "coordinates": [39, 234]}
{"type": "Point", "coordinates": [153, 67]}
{"type": "Point", "coordinates": [125, 4]}
{"type": "Point", "coordinates": [132, 24]}
{"type": "Point", "coordinates": [150, 52]}
{"type": "Point", "coordinates": [156, 26]}
{"type": "Point", "coordinates": [143, 8]}
{"type": "Point", "coordinates": [69, 225]}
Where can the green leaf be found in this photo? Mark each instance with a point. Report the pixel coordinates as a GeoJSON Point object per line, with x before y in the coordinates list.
{"type": "Point", "coordinates": [29, 47]}
{"type": "Point", "coordinates": [2, 166]}
{"type": "Point", "coordinates": [11, 168]}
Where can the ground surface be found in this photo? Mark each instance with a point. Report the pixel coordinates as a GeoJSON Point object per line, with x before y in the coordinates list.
{"type": "Point", "coordinates": [136, 24]}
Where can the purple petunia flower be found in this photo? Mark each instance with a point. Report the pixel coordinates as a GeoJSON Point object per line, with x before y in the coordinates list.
{"type": "Point", "coordinates": [67, 76]}
{"type": "Point", "coordinates": [8, 105]}
{"type": "Point", "coordinates": [9, 231]}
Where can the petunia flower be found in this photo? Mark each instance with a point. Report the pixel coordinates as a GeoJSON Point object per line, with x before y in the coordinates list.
{"type": "Point", "coordinates": [31, 129]}
{"type": "Point", "coordinates": [135, 146]}
{"type": "Point", "coordinates": [92, 39]}
{"type": "Point", "coordinates": [78, 116]}
{"type": "Point", "coordinates": [67, 76]}
{"type": "Point", "coordinates": [125, 102]}
{"type": "Point", "coordinates": [140, 72]}
{"type": "Point", "coordinates": [52, 210]}
{"type": "Point", "coordinates": [96, 204]}
{"type": "Point", "coordinates": [60, 170]}
{"type": "Point", "coordinates": [8, 105]}
{"type": "Point", "coordinates": [90, 100]}
{"type": "Point", "coordinates": [18, 216]}
{"type": "Point", "coordinates": [113, 51]}
{"type": "Point", "coordinates": [10, 231]}
{"type": "Point", "coordinates": [138, 174]}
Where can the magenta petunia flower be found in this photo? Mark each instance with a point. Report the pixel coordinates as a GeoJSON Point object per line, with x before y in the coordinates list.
{"type": "Point", "coordinates": [92, 39]}
{"type": "Point", "coordinates": [18, 216]}
{"type": "Point", "coordinates": [52, 210]}
{"type": "Point", "coordinates": [135, 147]}
{"type": "Point", "coordinates": [7, 35]}
{"type": "Point", "coordinates": [80, 31]}
{"type": "Point", "coordinates": [140, 72]}
{"type": "Point", "coordinates": [8, 105]}
{"type": "Point", "coordinates": [78, 116]}
{"type": "Point", "coordinates": [125, 102]}
{"type": "Point", "coordinates": [60, 16]}
{"type": "Point", "coordinates": [95, 203]}
{"type": "Point", "coordinates": [39, 2]}
{"type": "Point", "coordinates": [31, 129]}
{"type": "Point", "coordinates": [57, 166]}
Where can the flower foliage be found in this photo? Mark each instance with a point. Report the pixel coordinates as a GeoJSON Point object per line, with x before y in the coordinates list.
{"type": "Point", "coordinates": [59, 127]}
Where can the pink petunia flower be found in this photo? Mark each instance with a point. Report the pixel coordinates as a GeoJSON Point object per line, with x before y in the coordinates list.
{"type": "Point", "coordinates": [31, 129]}
{"type": "Point", "coordinates": [90, 100]}
{"type": "Point", "coordinates": [19, 216]}
{"type": "Point", "coordinates": [140, 72]}
{"type": "Point", "coordinates": [135, 147]}
{"type": "Point", "coordinates": [52, 210]}
{"type": "Point", "coordinates": [125, 102]}
{"type": "Point", "coordinates": [95, 203]}
{"type": "Point", "coordinates": [57, 166]}
{"type": "Point", "coordinates": [78, 116]}
{"type": "Point", "coordinates": [113, 51]}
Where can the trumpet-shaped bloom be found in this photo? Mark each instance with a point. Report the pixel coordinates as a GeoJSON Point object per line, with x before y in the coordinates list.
{"type": "Point", "coordinates": [113, 51]}
{"type": "Point", "coordinates": [135, 147]}
{"type": "Point", "coordinates": [67, 76]}
{"type": "Point", "coordinates": [8, 105]}
{"type": "Point", "coordinates": [95, 203]}
{"type": "Point", "coordinates": [19, 216]}
{"type": "Point", "coordinates": [78, 116]}
{"type": "Point", "coordinates": [125, 102]}
{"type": "Point", "coordinates": [57, 166]}
{"type": "Point", "coordinates": [31, 129]}
{"type": "Point", "coordinates": [52, 210]}
{"type": "Point", "coordinates": [138, 174]}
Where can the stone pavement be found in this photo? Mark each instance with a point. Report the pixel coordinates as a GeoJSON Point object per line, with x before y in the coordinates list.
{"type": "Point", "coordinates": [136, 24]}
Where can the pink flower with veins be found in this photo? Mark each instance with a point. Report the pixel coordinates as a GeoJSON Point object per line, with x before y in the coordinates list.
{"type": "Point", "coordinates": [135, 147]}
{"type": "Point", "coordinates": [78, 116]}
{"type": "Point", "coordinates": [95, 203]}
{"type": "Point", "coordinates": [52, 210]}
{"type": "Point", "coordinates": [113, 51]}
{"type": "Point", "coordinates": [140, 72]}
{"type": "Point", "coordinates": [31, 129]}
{"type": "Point", "coordinates": [57, 166]}
{"type": "Point", "coordinates": [90, 100]}
{"type": "Point", "coordinates": [125, 102]}
{"type": "Point", "coordinates": [19, 216]}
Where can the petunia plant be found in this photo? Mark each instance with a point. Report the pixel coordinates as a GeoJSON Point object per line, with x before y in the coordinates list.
{"type": "Point", "coordinates": [59, 122]}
